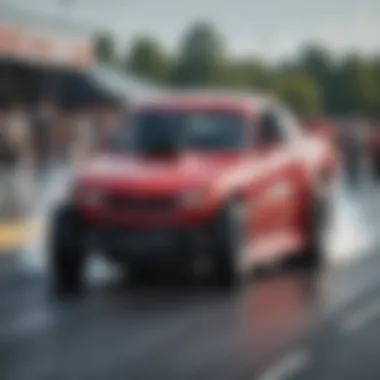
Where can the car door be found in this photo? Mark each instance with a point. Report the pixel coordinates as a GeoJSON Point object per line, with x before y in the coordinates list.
{"type": "Point", "coordinates": [273, 189]}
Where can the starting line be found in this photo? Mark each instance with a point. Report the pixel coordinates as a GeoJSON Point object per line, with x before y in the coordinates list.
{"type": "Point", "coordinates": [16, 234]}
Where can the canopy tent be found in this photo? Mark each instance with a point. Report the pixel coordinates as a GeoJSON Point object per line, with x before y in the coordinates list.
{"type": "Point", "coordinates": [97, 83]}
{"type": "Point", "coordinates": [51, 57]}
{"type": "Point", "coordinates": [123, 85]}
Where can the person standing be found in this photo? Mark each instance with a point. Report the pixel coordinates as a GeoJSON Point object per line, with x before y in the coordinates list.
{"type": "Point", "coordinates": [373, 148]}
{"type": "Point", "coordinates": [354, 148]}
{"type": "Point", "coordinates": [16, 161]}
{"type": "Point", "coordinates": [44, 120]}
{"type": "Point", "coordinates": [97, 128]}
{"type": "Point", "coordinates": [7, 158]}
{"type": "Point", "coordinates": [112, 115]}
{"type": "Point", "coordinates": [84, 136]}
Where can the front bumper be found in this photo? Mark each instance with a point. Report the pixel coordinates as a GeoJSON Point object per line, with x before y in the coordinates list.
{"type": "Point", "coordinates": [126, 244]}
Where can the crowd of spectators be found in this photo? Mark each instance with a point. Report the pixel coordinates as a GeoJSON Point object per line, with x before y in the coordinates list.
{"type": "Point", "coordinates": [36, 137]}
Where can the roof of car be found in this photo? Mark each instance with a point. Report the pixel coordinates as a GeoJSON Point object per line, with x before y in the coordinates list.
{"type": "Point", "coordinates": [207, 99]}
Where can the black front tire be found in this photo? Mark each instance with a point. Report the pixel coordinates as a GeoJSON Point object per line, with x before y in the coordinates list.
{"type": "Point", "coordinates": [228, 244]}
{"type": "Point", "coordinates": [141, 274]}
{"type": "Point", "coordinates": [67, 252]}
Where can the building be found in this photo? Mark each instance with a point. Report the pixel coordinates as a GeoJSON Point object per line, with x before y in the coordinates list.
{"type": "Point", "coordinates": [42, 56]}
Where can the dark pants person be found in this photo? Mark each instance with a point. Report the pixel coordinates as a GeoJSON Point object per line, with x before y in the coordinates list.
{"type": "Point", "coordinates": [41, 141]}
{"type": "Point", "coordinates": [353, 170]}
{"type": "Point", "coordinates": [375, 161]}
{"type": "Point", "coordinates": [16, 192]}
{"type": "Point", "coordinates": [16, 172]}
{"type": "Point", "coordinates": [353, 161]}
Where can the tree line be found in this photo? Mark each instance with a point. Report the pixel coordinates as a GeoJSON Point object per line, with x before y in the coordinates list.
{"type": "Point", "coordinates": [315, 82]}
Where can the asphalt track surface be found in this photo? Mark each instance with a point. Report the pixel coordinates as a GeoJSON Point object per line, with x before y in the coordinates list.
{"type": "Point", "coordinates": [284, 324]}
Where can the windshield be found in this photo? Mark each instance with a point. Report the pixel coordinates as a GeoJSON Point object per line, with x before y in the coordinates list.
{"type": "Point", "coordinates": [187, 130]}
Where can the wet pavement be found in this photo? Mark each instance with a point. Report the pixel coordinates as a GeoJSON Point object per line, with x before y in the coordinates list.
{"type": "Point", "coordinates": [283, 317]}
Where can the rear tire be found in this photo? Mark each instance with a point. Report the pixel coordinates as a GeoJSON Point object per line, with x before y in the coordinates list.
{"type": "Point", "coordinates": [67, 252]}
{"type": "Point", "coordinates": [314, 255]}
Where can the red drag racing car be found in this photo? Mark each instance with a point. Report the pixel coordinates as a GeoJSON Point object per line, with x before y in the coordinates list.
{"type": "Point", "coordinates": [214, 181]}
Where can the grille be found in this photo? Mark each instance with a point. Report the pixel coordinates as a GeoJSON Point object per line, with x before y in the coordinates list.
{"type": "Point", "coordinates": [122, 203]}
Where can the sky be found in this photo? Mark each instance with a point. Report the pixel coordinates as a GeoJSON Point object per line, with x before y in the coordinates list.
{"type": "Point", "coordinates": [272, 29]}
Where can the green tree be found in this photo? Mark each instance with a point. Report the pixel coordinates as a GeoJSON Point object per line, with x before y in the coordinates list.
{"type": "Point", "coordinates": [300, 92]}
{"type": "Point", "coordinates": [376, 82]}
{"type": "Point", "coordinates": [316, 62]}
{"type": "Point", "coordinates": [105, 49]}
{"type": "Point", "coordinates": [360, 88]}
{"type": "Point", "coordinates": [148, 59]}
{"type": "Point", "coordinates": [246, 73]}
{"type": "Point", "coordinates": [200, 61]}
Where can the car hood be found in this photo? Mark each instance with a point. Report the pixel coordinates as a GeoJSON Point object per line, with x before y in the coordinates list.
{"type": "Point", "coordinates": [158, 175]}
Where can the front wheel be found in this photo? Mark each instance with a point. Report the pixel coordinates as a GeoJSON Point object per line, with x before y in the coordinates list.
{"type": "Point", "coordinates": [141, 274]}
{"type": "Point", "coordinates": [66, 251]}
{"type": "Point", "coordinates": [229, 243]}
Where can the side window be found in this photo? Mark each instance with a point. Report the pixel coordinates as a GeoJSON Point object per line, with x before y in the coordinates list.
{"type": "Point", "coordinates": [270, 130]}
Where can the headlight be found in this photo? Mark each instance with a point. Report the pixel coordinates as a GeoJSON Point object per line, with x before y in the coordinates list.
{"type": "Point", "coordinates": [192, 198]}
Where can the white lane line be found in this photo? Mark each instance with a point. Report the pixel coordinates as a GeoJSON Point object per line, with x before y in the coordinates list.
{"type": "Point", "coordinates": [361, 318]}
{"type": "Point", "coordinates": [288, 366]}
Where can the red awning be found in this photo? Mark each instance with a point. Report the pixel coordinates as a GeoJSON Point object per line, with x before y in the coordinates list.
{"type": "Point", "coordinates": [48, 49]}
